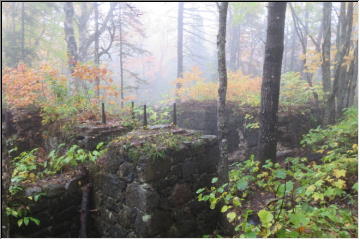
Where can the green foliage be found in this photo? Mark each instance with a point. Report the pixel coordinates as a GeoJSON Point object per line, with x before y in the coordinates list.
{"type": "Point", "coordinates": [26, 170]}
{"type": "Point", "coordinates": [310, 199]}
{"type": "Point", "coordinates": [21, 213]}
{"type": "Point", "coordinates": [244, 9]}
{"type": "Point", "coordinates": [153, 146]}
{"type": "Point", "coordinates": [72, 157]}
{"type": "Point", "coordinates": [67, 108]}
{"type": "Point", "coordinates": [32, 165]}
{"type": "Point", "coordinates": [250, 122]}
{"type": "Point", "coordinates": [295, 91]}
{"type": "Point", "coordinates": [155, 116]}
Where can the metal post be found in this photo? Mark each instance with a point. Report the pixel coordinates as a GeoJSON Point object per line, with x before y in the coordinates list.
{"type": "Point", "coordinates": [132, 111]}
{"type": "Point", "coordinates": [174, 114]}
{"type": "Point", "coordinates": [103, 116]}
{"type": "Point", "coordinates": [145, 116]}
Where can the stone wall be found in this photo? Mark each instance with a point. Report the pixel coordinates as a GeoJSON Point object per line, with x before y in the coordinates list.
{"type": "Point", "coordinates": [58, 210]}
{"type": "Point", "coordinates": [85, 135]}
{"type": "Point", "coordinates": [139, 192]}
{"type": "Point", "coordinates": [202, 116]}
{"type": "Point", "coordinates": [22, 128]}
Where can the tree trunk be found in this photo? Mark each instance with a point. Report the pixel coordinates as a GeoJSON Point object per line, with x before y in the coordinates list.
{"type": "Point", "coordinates": [180, 46]}
{"type": "Point", "coordinates": [97, 60]}
{"type": "Point", "coordinates": [293, 47]}
{"type": "Point", "coordinates": [84, 17]}
{"type": "Point", "coordinates": [326, 47]}
{"type": "Point", "coordinates": [344, 75]}
{"type": "Point", "coordinates": [121, 60]}
{"type": "Point", "coordinates": [326, 61]}
{"type": "Point", "coordinates": [270, 88]}
{"type": "Point", "coordinates": [303, 37]}
{"type": "Point", "coordinates": [353, 78]}
{"type": "Point", "coordinates": [286, 43]}
{"type": "Point", "coordinates": [23, 32]}
{"type": "Point", "coordinates": [223, 170]}
{"type": "Point", "coordinates": [335, 102]}
{"type": "Point", "coordinates": [87, 42]}
{"type": "Point", "coordinates": [70, 38]}
{"type": "Point", "coordinates": [234, 41]}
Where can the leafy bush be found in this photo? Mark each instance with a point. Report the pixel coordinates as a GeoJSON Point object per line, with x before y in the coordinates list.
{"type": "Point", "coordinates": [305, 199]}
{"type": "Point", "coordinates": [246, 89]}
{"type": "Point", "coordinates": [296, 91]}
{"type": "Point", "coordinates": [241, 88]}
{"type": "Point", "coordinates": [34, 165]}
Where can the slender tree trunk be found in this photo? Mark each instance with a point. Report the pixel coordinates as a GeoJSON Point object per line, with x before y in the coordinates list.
{"type": "Point", "coordinates": [326, 47]}
{"type": "Point", "coordinates": [303, 37]}
{"type": "Point", "coordinates": [353, 78]}
{"type": "Point", "coordinates": [23, 32]}
{"type": "Point", "coordinates": [284, 63]}
{"type": "Point", "coordinates": [70, 39]}
{"type": "Point", "coordinates": [83, 27]}
{"type": "Point", "coordinates": [180, 46]}
{"type": "Point", "coordinates": [97, 60]}
{"type": "Point", "coordinates": [223, 170]}
{"type": "Point", "coordinates": [234, 41]}
{"type": "Point", "coordinates": [293, 48]}
{"type": "Point", "coordinates": [325, 65]}
{"type": "Point", "coordinates": [335, 102]}
{"type": "Point", "coordinates": [121, 59]}
{"type": "Point", "coordinates": [344, 75]}
{"type": "Point", "coordinates": [270, 88]}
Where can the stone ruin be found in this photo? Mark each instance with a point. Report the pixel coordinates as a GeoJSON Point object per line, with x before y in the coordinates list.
{"type": "Point", "coordinates": [134, 192]}
{"type": "Point", "coordinates": [133, 195]}
{"type": "Point", "coordinates": [143, 196]}
{"type": "Point", "coordinates": [293, 123]}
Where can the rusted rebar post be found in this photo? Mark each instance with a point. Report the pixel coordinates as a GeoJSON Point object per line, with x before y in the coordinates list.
{"type": "Point", "coordinates": [174, 114]}
{"type": "Point", "coordinates": [103, 116]}
{"type": "Point", "coordinates": [145, 116]}
{"type": "Point", "coordinates": [132, 111]}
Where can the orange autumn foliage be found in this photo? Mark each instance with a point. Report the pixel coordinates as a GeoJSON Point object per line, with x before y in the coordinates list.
{"type": "Point", "coordinates": [23, 86]}
{"type": "Point", "coordinates": [241, 88]}
{"type": "Point", "coordinates": [90, 73]}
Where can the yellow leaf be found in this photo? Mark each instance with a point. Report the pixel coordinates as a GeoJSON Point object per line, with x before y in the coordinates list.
{"type": "Point", "coordinates": [310, 189]}
{"type": "Point", "coordinates": [339, 184]}
{"type": "Point", "coordinates": [355, 147]}
{"type": "Point", "coordinates": [32, 176]}
{"type": "Point", "coordinates": [339, 173]}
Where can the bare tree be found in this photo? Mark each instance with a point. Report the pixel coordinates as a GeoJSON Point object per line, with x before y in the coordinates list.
{"type": "Point", "coordinates": [23, 31]}
{"type": "Point", "coordinates": [223, 168]}
{"type": "Point", "coordinates": [344, 73]}
{"type": "Point", "coordinates": [180, 44]}
{"type": "Point", "coordinates": [302, 31]}
{"type": "Point", "coordinates": [121, 59]}
{"type": "Point", "coordinates": [234, 40]}
{"type": "Point", "coordinates": [270, 88]}
{"type": "Point", "coordinates": [96, 57]}
{"type": "Point", "coordinates": [70, 38]}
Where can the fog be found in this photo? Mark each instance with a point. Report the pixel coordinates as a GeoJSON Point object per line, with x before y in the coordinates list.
{"type": "Point", "coordinates": [149, 41]}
